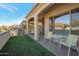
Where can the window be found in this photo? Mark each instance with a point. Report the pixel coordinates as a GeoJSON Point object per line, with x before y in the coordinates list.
{"type": "Point", "coordinates": [75, 22]}
{"type": "Point", "coordinates": [65, 24]}
{"type": "Point", "coordinates": [62, 24]}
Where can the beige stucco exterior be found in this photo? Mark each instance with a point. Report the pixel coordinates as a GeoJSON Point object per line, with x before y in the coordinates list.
{"type": "Point", "coordinates": [61, 8]}
{"type": "Point", "coordinates": [45, 11]}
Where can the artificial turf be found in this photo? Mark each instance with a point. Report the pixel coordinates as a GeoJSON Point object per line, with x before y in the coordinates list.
{"type": "Point", "coordinates": [24, 46]}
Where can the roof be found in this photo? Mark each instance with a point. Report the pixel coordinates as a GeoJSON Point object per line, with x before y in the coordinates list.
{"type": "Point", "coordinates": [34, 6]}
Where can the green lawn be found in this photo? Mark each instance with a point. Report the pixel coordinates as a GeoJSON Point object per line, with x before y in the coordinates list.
{"type": "Point", "coordinates": [24, 46]}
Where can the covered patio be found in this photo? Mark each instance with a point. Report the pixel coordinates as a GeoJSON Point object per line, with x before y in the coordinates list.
{"type": "Point", "coordinates": [58, 21]}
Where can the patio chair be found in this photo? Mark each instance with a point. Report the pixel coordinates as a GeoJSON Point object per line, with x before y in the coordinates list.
{"type": "Point", "coordinates": [69, 42]}
{"type": "Point", "coordinates": [48, 37]}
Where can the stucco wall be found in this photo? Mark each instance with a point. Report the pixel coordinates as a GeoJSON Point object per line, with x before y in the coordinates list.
{"type": "Point", "coordinates": [62, 8]}
{"type": "Point", "coordinates": [4, 37]}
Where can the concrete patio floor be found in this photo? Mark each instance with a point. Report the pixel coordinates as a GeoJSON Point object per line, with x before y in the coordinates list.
{"type": "Point", "coordinates": [54, 47]}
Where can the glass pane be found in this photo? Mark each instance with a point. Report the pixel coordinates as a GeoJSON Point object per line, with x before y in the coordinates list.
{"type": "Point", "coordinates": [62, 24]}
{"type": "Point", "coordinates": [75, 23]}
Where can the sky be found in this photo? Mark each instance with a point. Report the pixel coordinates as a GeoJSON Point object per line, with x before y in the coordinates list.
{"type": "Point", "coordinates": [63, 19]}
{"type": "Point", "coordinates": [14, 13]}
{"type": "Point", "coordinates": [66, 18]}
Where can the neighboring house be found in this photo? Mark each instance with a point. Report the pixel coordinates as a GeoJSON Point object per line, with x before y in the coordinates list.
{"type": "Point", "coordinates": [17, 32]}
{"type": "Point", "coordinates": [23, 26]}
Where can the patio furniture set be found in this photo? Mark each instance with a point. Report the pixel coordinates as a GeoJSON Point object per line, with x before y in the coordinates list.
{"type": "Point", "coordinates": [69, 41]}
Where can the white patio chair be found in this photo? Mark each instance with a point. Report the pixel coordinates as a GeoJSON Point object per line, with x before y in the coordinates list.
{"type": "Point", "coordinates": [48, 37]}
{"type": "Point", "coordinates": [69, 42]}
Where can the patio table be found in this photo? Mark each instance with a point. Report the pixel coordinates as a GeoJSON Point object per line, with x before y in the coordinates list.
{"type": "Point", "coordinates": [57, 37]}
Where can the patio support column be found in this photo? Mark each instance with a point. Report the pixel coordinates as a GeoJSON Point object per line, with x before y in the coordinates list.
{"type": "Point", "coordinates": [27, 28]}
{"type": "Point", "coordinates": [70, 21]}
{"type": "Point", "coordinates": [36, 27]}
{"type": "Point", "coordinates": [46, 28]}
{"type": "Point", "coordinates": [53, 21]}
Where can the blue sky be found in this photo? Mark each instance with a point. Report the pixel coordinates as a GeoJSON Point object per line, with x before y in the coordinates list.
{"type": "Point", "coordinates": [13, 13]}
{"type": "Point", "coordinates": [63, 19]}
